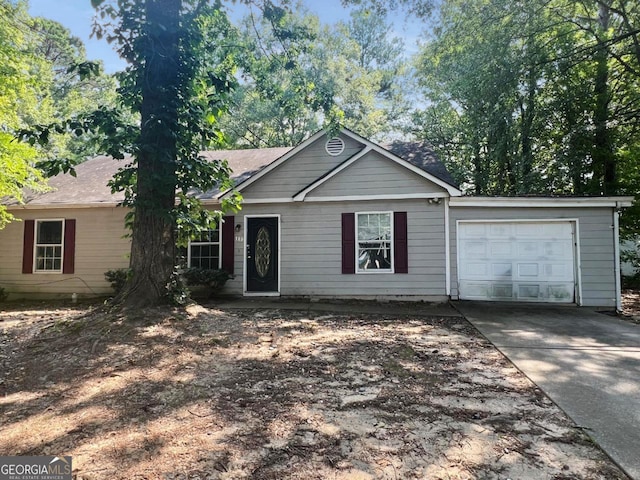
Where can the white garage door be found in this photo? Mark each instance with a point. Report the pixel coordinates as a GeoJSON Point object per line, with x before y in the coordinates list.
{"type": "Point", "coordinates": [524, 261]}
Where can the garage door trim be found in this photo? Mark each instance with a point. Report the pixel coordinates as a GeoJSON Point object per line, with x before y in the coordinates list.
{"type": "Point", "coordinates": [576, 245]}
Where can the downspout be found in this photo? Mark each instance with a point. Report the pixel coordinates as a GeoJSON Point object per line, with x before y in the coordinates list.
{"type": "Point", "coordinates": [447, 247]}
{"type": "Point", "coordinates": [616, 249]}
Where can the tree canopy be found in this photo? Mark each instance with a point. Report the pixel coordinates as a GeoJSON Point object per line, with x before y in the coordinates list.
{"type": "Point", "coordinates": [297, 71]}
{"type": "Point", "coordinates": [534, 97]}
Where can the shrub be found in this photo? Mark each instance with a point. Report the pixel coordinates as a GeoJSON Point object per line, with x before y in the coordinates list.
{"type": "Point", "coordinates": [117, 278]}
{"type": "Point", "coordinates": [212, 279]}
{"type": "Point", "coordinates": [631, 255]}
{"type": "Point", "coordinates": [3, 294]}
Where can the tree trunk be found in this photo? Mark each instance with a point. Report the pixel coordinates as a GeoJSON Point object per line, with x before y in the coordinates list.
{"type": "Point", "coordinates": [604, 164]}
{"type": "Point", "coordinates": [527, 112]}
{"type": "Point", "coordinates": [153, 247]}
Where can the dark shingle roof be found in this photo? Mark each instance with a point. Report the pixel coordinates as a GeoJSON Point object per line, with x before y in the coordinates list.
{"type": "Point", "coordinates": [421, 155]}
{"type": "Point", "coordinates": [90, 183]}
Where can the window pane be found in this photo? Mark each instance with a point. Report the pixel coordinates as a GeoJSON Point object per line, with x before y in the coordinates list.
{"type": "Point", "coordinates": [49, 258]}
{"type": "Point", "coordinates": [207, 236]}
{"type": "Point", "coordinates": [205, 256]}
{"type": "Point", "coordinates": [49, 233]}
{"type": "Point", "coordinates": [374, 226]}
{"type": "Point", "coordinates": [374, 256]}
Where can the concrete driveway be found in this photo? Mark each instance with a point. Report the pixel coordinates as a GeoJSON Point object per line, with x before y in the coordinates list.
{"type": "Point", "coordinates": [588, 363]}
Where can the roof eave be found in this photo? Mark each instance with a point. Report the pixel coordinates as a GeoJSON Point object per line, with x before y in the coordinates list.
{"type": "Point", "coordinates": [542, 202]}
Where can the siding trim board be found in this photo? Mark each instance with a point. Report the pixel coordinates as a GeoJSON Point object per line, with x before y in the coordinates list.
{"type": "Point", "coordinates": [348, 198]}
{"type": "Point", "coordinates": [398, 196]}
{"type": "Point", "coordinates": [447, 248]}
{"type": "Point", "coordinates": [55, 206]}
{"type": "Point", "coordinates": [227, 238]}
{"type": "Point", "coordinates": [545, 202]}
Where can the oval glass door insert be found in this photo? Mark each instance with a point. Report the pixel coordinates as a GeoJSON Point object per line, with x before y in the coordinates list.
{"type": "Point", "coordinates": [262, 254]}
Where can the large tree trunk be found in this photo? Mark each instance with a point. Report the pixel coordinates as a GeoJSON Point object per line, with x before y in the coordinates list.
{"type": "Point", "coordinates": [604, 163]}
{"type": "Point", "coordinates": [153, 248]}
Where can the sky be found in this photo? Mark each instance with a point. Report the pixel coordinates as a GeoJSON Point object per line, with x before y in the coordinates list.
{"type": "Point", "coordinates": [77, 16]}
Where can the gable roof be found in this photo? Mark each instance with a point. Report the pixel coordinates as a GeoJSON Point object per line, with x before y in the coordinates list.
{"type": "Point", "coordinates": [421, 159]}
{"type": "Point", "coordinates": [89, 187]}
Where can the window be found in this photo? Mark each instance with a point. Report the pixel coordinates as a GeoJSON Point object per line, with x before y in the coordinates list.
{"type": "Point", "coordinates": [48, 245]}
{"type": "Point", "coordinates": [374, 242]}
{"type": "Point", "coordinates": [204, 251]}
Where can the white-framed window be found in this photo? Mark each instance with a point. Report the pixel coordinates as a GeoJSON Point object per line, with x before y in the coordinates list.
{"type": "Point", "coordinates": [48, 245]}
{"type": "Point", "coordinates": [374, 242]}
{"type": "Point", "coordinates": [205, 251]}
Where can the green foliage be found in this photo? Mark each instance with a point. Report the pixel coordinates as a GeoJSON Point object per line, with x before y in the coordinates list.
{"type": "Point", "coordinates": [176, 291]}
{"type": "Point", "coordinates": [632, 256]}
{"type": "Point", "coordinates": [214, 280]}
{"type": "Point", "coordinates": [43, 78]}
{"type": "Point", "coordinates": [3, 295]}
{"type": "Point", "coordinates": [202, 90]}
{"type": "Point", "coordinates": [299, 75]}
{"type": "Point", "coordinates": [534, 97]}
{"type": "Point", "coordinates": [23, 99]}
{"type": "Point", "coordinates": [117, 278]}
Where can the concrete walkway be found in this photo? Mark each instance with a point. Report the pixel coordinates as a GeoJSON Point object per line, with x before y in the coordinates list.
{"type": "Point", "coordinates": [588, 363]}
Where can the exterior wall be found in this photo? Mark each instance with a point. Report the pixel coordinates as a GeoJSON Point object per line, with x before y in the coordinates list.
{"type": "Point", "coordinates": [99, 247]}
{"type": "Point", "coordinates": [375, 175]}
{"type": "Point", "coordinates": [301, 170]}
{"type": "Point", "coordinates": [596, 244]}
{"type": "Point", "coordinates": [311, 251]}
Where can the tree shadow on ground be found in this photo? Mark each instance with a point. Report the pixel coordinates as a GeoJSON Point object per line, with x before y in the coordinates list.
{"type": "Point", "coordinates": [275, 394]}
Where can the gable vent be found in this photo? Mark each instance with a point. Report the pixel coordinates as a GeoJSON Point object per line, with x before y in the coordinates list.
{"type": "Point", "coordinates": [334, 146]}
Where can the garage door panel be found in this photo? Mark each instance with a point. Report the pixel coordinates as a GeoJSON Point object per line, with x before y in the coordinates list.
{"type": "Point", "coordinates": [527, 249]}
{"type": "Point", "coordinates": [501, 270]}
{"type": "Point", "coordinates": [528, 270]}
{"type": "Point", "coordinates": [517, 261]}
{"type": "Point", "coordinates": [500, 249]}
{"type": "Point", "coordinates": [476, 249]}
{"type": "Point", "coordinates": [500, 230]}
{"type": "Point", "coordinates": [476, 269]}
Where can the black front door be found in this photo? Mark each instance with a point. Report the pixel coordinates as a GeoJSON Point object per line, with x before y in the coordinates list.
{"type": "Point", "coordinates": [262, 254]}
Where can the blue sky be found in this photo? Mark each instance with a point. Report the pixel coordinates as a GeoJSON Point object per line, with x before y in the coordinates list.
{"type": "Point", "coordinates": [77, 16]}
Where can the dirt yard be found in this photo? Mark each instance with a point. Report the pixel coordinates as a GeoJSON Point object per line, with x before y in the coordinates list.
{"type": "Point", "coordinates": [248, 394]}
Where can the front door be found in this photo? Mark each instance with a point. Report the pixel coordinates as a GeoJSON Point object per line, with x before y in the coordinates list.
{"type": "Point", "coordinates": [262, 254]}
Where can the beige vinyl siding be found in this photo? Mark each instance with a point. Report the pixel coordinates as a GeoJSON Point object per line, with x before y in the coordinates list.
{"type": "Point", "coordinates": [311, 251]}
{"type": "Point", "coordinates": [375, 175]}
{"type": "Point", "coordinates": [595, 228]}
{"type": "Point", "coordinates": [99, 247]}
{"type": "Point", "coordinates": [301, 170]}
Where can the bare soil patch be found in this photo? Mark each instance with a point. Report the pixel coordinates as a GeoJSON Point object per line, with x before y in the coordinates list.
{"type": "Point", "coordinates": [212, 394]}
